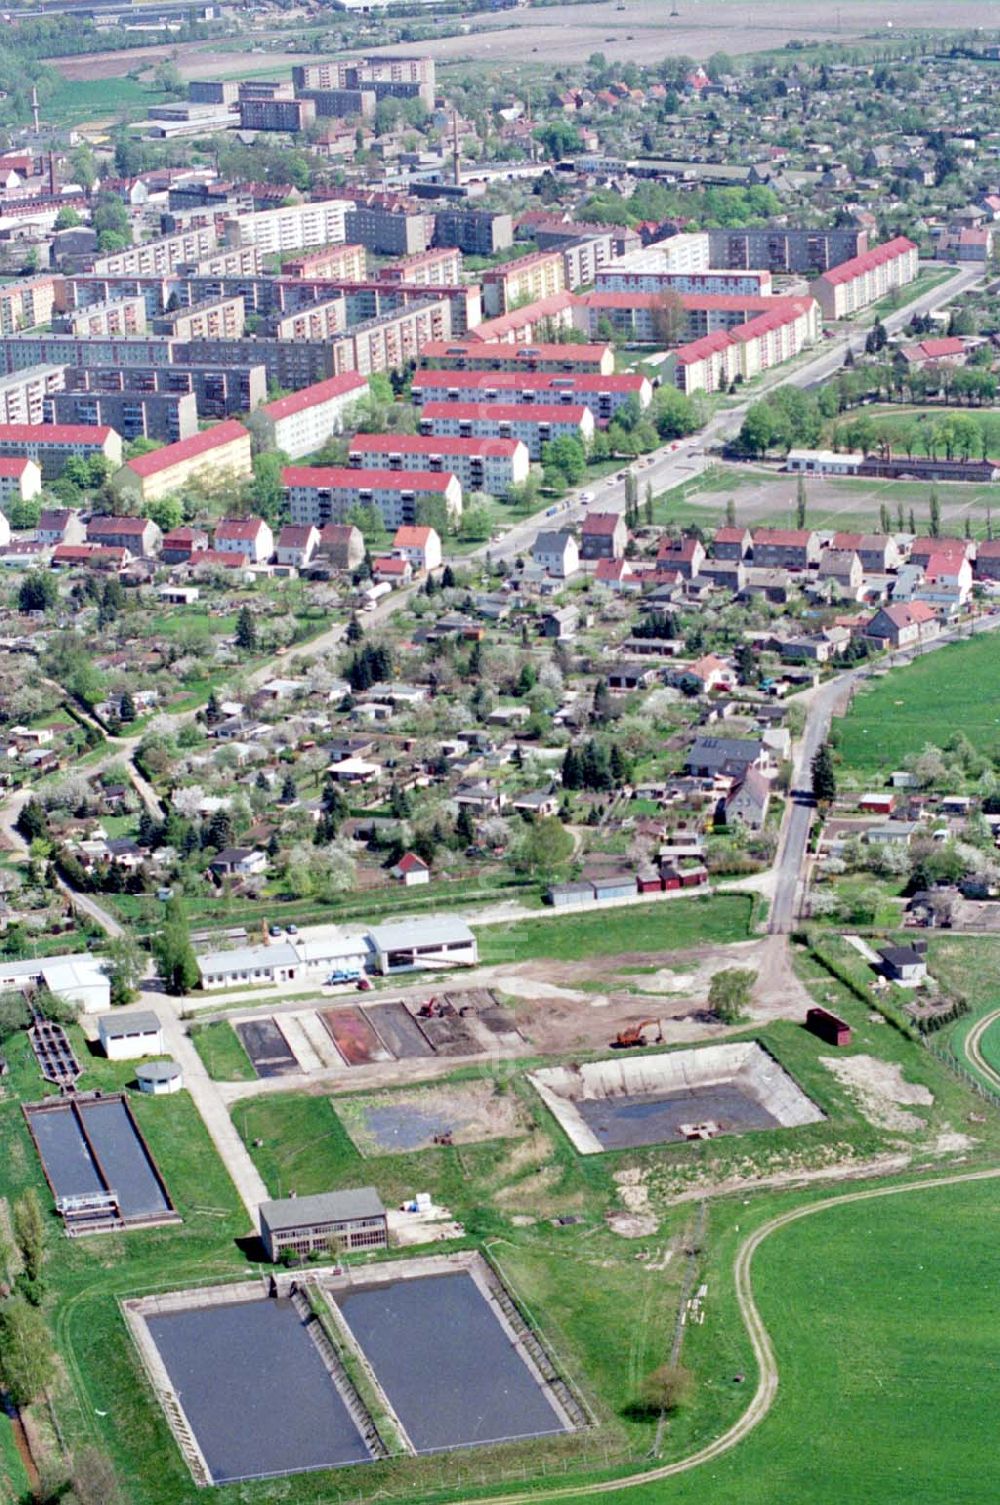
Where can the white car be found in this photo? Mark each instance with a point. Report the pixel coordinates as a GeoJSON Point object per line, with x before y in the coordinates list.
{"type": "Point", "coordinates": [586, 496]}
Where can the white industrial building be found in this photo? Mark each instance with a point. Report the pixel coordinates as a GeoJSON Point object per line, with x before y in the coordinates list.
{"type": "Point", "coordinates": [130, 1034]}
{"type": "Point", "coordinates": [283, 961]}
{"type": "Point", "coordinates": [79, 978]}
{"type": "Point", "coordinates": [158, 1078]}
{"type": "Point", "coordinates": [423, 945]}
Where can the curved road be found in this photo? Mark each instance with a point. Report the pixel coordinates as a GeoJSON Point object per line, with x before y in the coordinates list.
{"type": "Point", "coordinates": [767, 1383]}
{"type": "Point", "coordinates": [974, 1052]}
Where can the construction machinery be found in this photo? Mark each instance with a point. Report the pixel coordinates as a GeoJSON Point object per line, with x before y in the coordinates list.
{"type": "Point", "coordinates": [436, 1008]}
{"type": "Point", "coordinates": [632, 1036]}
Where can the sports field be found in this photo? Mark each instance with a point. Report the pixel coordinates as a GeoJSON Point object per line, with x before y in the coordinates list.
{"type": "Point", "coordinates": [885, 1326]}
{"type": "Point", "coordinates": [956, 689]}
{"type": "Point", "coordinates": [766, 497]}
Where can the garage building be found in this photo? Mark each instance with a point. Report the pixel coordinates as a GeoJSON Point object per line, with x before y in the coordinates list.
{"type": "Point", "coordinates": [128, 1036]}
{"type": "Point", "coordinates": [423, 945]}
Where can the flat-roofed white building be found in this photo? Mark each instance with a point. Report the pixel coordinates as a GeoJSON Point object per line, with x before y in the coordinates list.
{"type": "Point", "coordinates": [423, 945]}
{"type": "Point", "coordinates": [249, 965]}
{"type": "Point", "coordinates": [78, 977]}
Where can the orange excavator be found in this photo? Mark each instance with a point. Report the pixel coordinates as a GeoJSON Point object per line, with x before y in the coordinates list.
{"type": "Point", "coordinates": [631, 1037]}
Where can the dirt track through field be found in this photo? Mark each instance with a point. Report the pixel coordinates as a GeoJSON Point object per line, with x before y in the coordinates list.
{"type": "Point", "coordinates": [767, 1383]}
{"type": "Point", "coordinates": [973, 1049]}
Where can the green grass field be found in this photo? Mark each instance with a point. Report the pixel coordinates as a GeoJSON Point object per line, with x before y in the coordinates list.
{"type": "Point", "coordinates": [885, 1327]}
{"type": "Point", "coordinates": [954, 689]}
{"type": "Point", "coordinates": [14, 1484]}
{"type": "Point", "coordinates": [665, 926]}
{"type": "Point", "coordinates": [74, 100]}
{"type": "Point", "coordinates": [222, 1051]}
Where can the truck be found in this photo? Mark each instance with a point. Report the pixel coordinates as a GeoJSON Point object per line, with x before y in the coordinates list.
{"type": "Point", "coordinates": [343, 974]}
{"type": "Point", "coordinates": [373, 594]}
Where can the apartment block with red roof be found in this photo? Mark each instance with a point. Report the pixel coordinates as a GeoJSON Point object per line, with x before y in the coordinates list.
{"type": "Point", "coordinates": [603, 395]}
{"type": "Point", "coordinates": [533, 423]}
{"type": "Point", "coordinates": [302, 422]}
{"type": "Point", "coordinates": [323, 494]}
{"type": "Point", "coordinates": [535, 276]}
{"type": "Point", "coordinates": [717, 360]}
{"type": "Point", "coordinates": [214, 456]}
{"type": "Point", "coordinates": [500, 355]}
{"type": "Point", "coordinates": [864, 279]}
{"type": "Point", "coordinates": [50, 445]}
{"type": "Point", "coordinates": [481, 464]}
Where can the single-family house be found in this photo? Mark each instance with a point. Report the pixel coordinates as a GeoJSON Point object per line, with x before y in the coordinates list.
{"type": "Point", "coordinates": [842, 568]}
{"type": "Point", "coordinates": [903, 625]}
{"type": "Point", "coordinates": [732, 543]}
{"type": "Point", "coordinates": [747, 803]}
{"type": "Point", "coordinates": [556, 553]}
{"type": "Point", "coordinates": [710, 756]}
{"type": "Point", "coordinates": [239, 862]}
{"type": "Point", "coordinates": [342, 544]}
{"type": "Point", "coordinates": [906, 965]}
{"type": "Point", "coordinates": [392, 569]}
{"type": "Point", "coordinates": [180, 544]}
{"type": "Point", "coordinates": [250, 537]}
{"type": "Point", "coordinates": [420, 545]}
{"type": "Point", "coordinates": [56, 526]}
{"type": "Point", "coordinates": [411, 870]}
{"type": "Point", "coordinates": [685, 555]}
{"type": "Point", "coordinates": [785, 548]}
{"type": "Point", "coordinates": [139, 535]}
{"type": "Point", "coordinates": [297, 543]}
{"type": "Point", "coordinates": [603, 535]}
{"type": "Point", "coordinates": [988, 560]}
{"type": "Point", "coordinates": [560, 623]}
{"type": "Point", "coordinates": [712, 673]}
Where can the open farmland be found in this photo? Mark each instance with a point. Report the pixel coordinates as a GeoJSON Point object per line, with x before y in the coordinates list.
{"type": "Point", "coordinates": [558, 35]}
{"type": "Point", "coordinates": [955, 689]}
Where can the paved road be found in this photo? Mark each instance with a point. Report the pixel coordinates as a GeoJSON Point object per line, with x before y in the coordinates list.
{"type": "Point", "coordinates": [214, 1113]}
{"type": "Point", "coordinates": [829, 699]}
{"type": "Point", "coordinates": [669, 466]}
